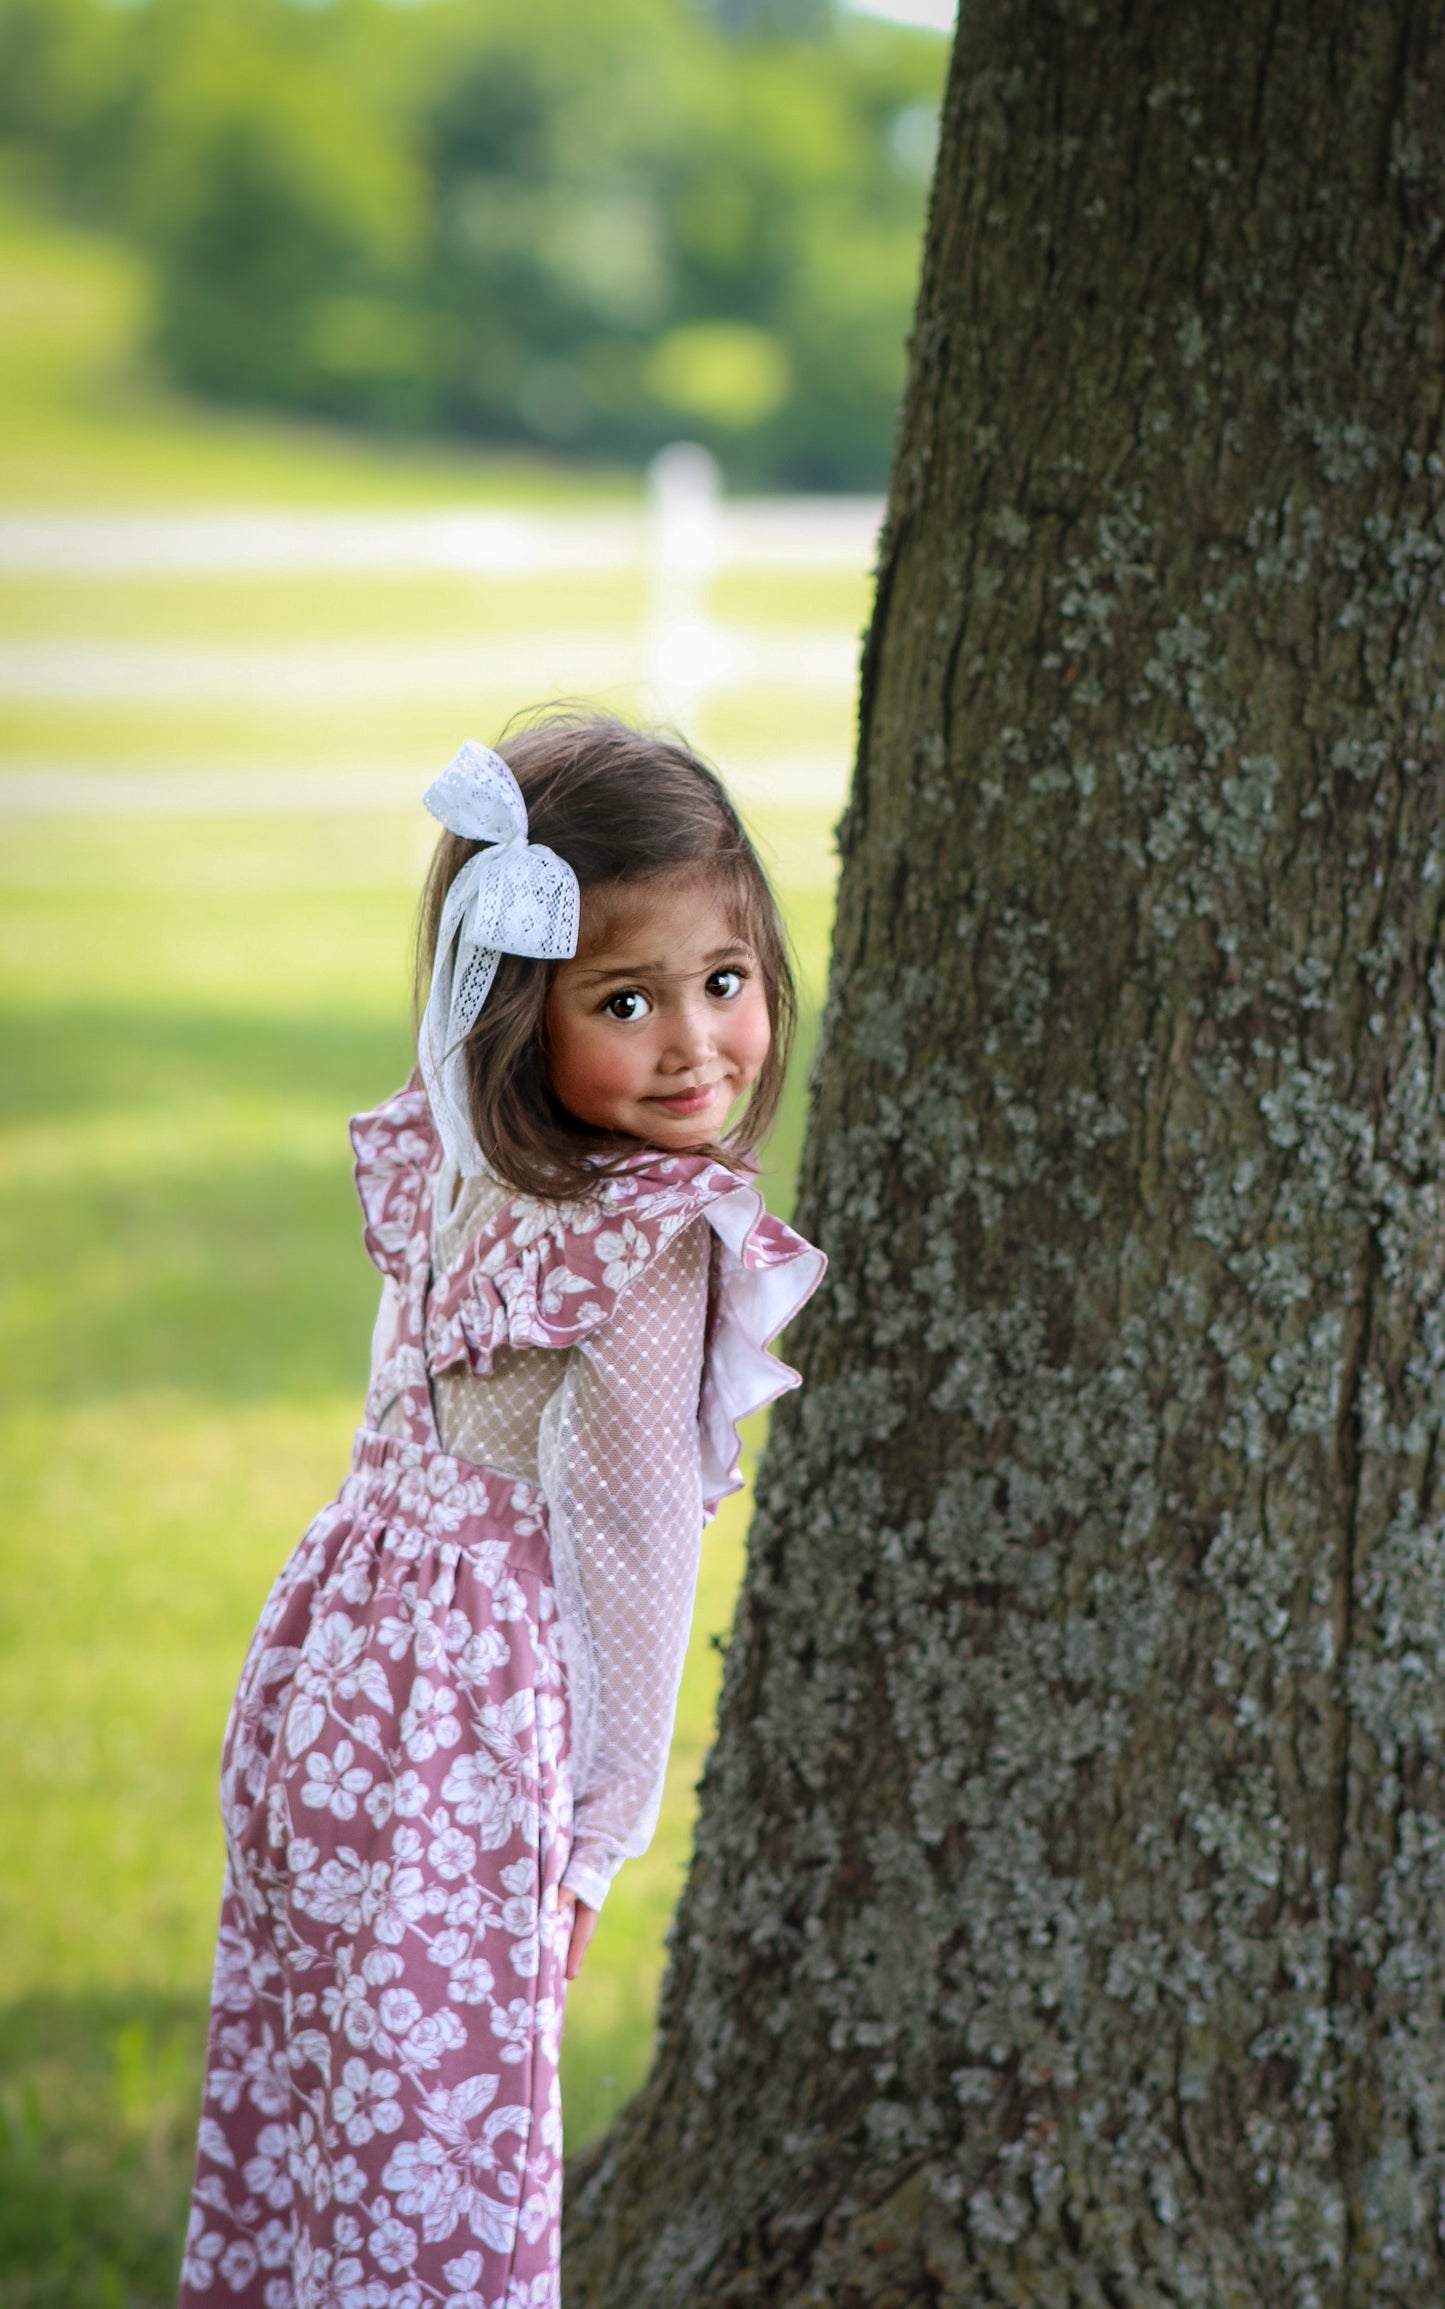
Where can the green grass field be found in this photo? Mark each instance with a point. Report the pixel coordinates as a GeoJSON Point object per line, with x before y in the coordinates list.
{"type": "Point", "coordinates": [190, 1008]}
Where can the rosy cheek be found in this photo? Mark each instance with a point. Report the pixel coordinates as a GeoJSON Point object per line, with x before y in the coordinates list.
{"type": "Point", "coordinates": [587, 1066]}
{"type": "Point", "coordinates": [758, 1035]}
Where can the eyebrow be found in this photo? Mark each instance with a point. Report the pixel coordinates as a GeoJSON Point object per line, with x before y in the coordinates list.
{"type": "Point", "coordinates": [656, 969]}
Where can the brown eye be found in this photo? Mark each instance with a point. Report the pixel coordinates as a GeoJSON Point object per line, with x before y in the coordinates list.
{"type": "Point", "coordinates": [626, 1005]}
{"type": "Point", "coordinates": [724, 984]}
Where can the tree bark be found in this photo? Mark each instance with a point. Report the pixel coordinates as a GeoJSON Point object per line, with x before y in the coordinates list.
{"type": "Point", "coordinates": [1066, 1923]}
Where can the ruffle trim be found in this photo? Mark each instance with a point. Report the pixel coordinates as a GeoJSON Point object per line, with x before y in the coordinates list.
{"type": "Point", "coordinates": [546, 1274]}
{"type": "Point", "coordinates": [397, 1155]}
{"type": "Point", "coordinates": [764, 1273]}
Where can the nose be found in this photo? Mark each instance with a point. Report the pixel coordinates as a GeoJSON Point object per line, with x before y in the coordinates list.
{"type": "Point", "coordinates": [690, 1040]}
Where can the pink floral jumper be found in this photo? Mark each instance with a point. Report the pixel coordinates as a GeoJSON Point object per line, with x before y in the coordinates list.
{"type": "Point", "coordinates": [381, 2123]}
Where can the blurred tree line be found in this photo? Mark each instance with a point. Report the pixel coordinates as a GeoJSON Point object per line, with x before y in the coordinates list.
{"type": "Point", "coordinates": [587, 224]}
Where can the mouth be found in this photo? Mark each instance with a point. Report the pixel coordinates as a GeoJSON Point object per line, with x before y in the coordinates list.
{"type": "Point", "coordinates": [686, 1102]}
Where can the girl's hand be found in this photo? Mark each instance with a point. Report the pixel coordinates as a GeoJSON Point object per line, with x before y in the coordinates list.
{"type": "Point", "coordinates": [584, 1922]}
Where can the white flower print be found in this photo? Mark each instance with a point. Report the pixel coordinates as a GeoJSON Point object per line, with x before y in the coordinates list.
{"type": "Point", "coordinates": [348, 2181]}
{"type": "Point", "coordinates": [258, 2074]}
{"type": "Point", "coordinates": [464, 2275]}
{"type": "Point", "coordinates": [333, 1667]}
{"type": "Point", "coordinates": [333, 2281]}
{"type": "Point", "coordinates": [554, 1923]}
{"type": "Point", "coordinates": [267, 2174]}
{"type": "Point", "coordinates": [429, 1721]}
{"type": "Point", "coordinates": [406, 1797]}
{"type": "Point", "coordinates": [393, 2246]}
{"type": "Point", "coordinates": [309, 2169]}
{"type": "Point", "coordinates": [380, 1803]}
{"type": "Point", "coordinates": [472, 1981]}
{"type": "Point", "coordinates": [509, 1598]}
{"type": "Point", "coordinates": [514, 2030]}
{"type": "Point", "coordinates": [352, 1892]}
{"type": "Point", "coordinates": [533, 1221]}
{"type": "Point", "coordinates": [534, 2216]}
{"type": "Point", "coordinates": [529, 1513]}
{"type": "Point", "coordinates": [231, 1987]}
{"type": "Point", "coordinates": [310, 2048]}
{"type": "Point", "coordinates": [519, 1915]}
{"type": "Point", "coordinates": [624, 1251]}
{"type": "Point", "coordinates": [560, 1284]}
{"type": "Point", "coordinates": [277, 1819]}
{"type": "Point", "coordinates": [464, 1908]}
{"type": "Point", "coordinates": [449, 1946]}
{"type": "Point", "coordinates": [411, 1794]}
{"type": "Point", "coordinates": [531, 2293]}
{"type": "Point", "coordinates": [397, 1629]}
{"type": "Point", "coordinates": [503, 1728]}
{"type": "Point", "coordinates": [425, 2184]}
{"type": "Point", "coordinates": [333, 1783]}
{"type": "Point", "coordinates": [365, 2102]}
{"type": "Point", "coordinates": [488, 1559]}
{"type": "Point", "coordinates": [400, 2010]}
{"type": "Point", "coordinates": [341, 1891]}
{"type": "Point", "coordinates": [482, 1799]}
{"type": "Point", "coordinates": [439, 2033]}
{"type": "Point", "coordinates": [486, 1650]}
{"type": "Point", "coordinates": [238, 2263]}
{"type": "Point", "coordinates": [549, 2013]}
{"type": "Point", "coordinates": [401, 1901]}
{"type": "Point", "coordinates": [203, 2250]}
{"type": "Point", "coordinates": [273, 2245]}
{"type": "Point", "coordinates": [439, 1633]}
{"type": "Point", "coordinates": [355, 1587]}
{"type": "Point", "coordinates": [346, 2007]}
{"type": "Point", "coordinates": [452, 1854]}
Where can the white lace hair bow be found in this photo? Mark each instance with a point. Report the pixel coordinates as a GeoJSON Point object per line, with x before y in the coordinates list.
{"type": "Point", "coordinates": [516, 898]}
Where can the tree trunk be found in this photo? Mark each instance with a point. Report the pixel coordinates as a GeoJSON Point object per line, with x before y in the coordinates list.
{"type": "Point", "coordinates": [1067, 1922]}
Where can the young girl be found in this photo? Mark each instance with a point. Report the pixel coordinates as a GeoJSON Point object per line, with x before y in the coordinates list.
{"type": "Point", "coordinates": [453, 1723]}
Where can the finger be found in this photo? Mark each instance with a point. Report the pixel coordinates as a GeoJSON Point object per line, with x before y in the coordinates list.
{"type": "Point", "coordinates": [586, 1918]}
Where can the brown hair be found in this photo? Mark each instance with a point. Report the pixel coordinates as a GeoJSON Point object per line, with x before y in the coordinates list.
{"type": "Point", "coordinates": [620, 805]}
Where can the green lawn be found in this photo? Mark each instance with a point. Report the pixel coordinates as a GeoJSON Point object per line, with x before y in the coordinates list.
{"type": "Point", "coordinates": [190, 1007]}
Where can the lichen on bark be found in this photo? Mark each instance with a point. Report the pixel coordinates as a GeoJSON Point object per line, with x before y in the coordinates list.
{"type": "Point", "coordinates": [1066, 1919]}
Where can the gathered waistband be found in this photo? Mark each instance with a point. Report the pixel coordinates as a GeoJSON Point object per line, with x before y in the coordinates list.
{"type": "Point", "coordinates": [451, 1499]}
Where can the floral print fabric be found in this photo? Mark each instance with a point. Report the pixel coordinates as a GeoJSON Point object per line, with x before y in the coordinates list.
{"type": "Point", "coordinates": [381, 2126]}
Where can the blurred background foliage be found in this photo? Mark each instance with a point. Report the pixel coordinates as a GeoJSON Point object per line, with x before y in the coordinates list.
{"type": "Point", "coordinates": [339, 271]}
{"type": "Point", "coordinates": [584, 225]}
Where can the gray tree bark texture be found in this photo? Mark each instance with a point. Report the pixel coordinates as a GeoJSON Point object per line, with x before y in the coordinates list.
{"type": "Point", "coordinates": [1067, 1920]}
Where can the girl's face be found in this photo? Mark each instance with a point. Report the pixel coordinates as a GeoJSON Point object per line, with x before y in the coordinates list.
{"type": "Point", "coordinates": [659, 1023]}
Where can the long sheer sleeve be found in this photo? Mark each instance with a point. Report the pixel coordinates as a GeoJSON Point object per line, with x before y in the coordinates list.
{"type": "Point", "coordinates": [620, 1462]}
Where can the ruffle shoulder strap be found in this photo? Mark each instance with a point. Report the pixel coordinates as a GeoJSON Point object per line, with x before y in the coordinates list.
{"type": "Point", "coordinates": [397, 1155]}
